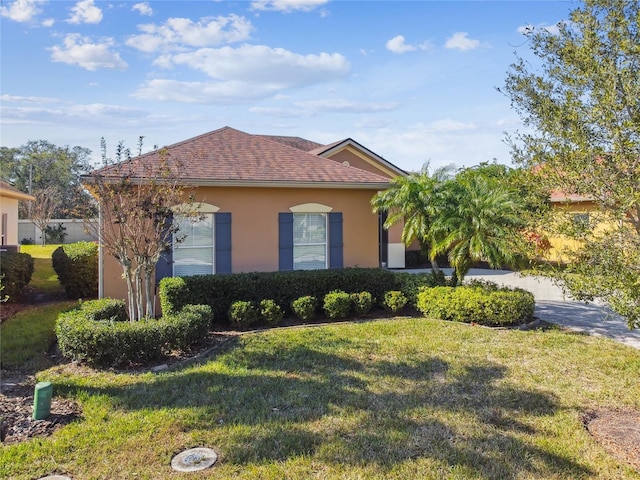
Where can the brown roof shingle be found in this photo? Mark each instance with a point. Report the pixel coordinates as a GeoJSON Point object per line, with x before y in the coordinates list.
{"type": "Point", "coordinates": [234, 157]}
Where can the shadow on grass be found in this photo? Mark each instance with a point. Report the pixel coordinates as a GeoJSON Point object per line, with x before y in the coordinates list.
{"type": "Point", "coordinates": [346, 406]}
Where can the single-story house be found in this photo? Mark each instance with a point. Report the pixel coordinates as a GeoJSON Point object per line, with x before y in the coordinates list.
{"type": "Point", "coordinates": [271, 203]}
{"type": "Point", "coordinates": [9, 199]}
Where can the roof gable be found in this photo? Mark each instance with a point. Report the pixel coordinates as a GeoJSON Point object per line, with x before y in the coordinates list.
{"type": "Point", "coordinates": [231, 157]}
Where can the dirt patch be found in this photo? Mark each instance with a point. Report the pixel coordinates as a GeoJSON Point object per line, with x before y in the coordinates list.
{"type": "Point", "coordinates": [16, 410]}
{"type": "Point", "coordinates": [618, 431]}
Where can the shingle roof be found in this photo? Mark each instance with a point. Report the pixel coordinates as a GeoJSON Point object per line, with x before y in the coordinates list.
{"type": "Point", "coordinates": [229, 156]}
{"type": "Point", "coordinates": [295, 142]}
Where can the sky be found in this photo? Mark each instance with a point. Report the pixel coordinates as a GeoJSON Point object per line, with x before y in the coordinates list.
{"type": "Point", "coordinates": [413, 81]}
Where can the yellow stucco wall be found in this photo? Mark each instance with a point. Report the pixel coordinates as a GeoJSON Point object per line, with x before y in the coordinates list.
{"type": "Point", "coordinates": [560, 243]}
{"type": "Point", "coordinates": [254, 227]}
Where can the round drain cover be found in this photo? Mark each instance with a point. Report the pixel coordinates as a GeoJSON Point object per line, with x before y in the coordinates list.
{"type": "Point", "coordinates": [194, 459]}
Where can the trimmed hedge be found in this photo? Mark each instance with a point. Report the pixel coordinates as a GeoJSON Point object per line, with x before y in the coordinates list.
{"type": "Point", "coordinates": [77, 267]}
{"type": "Point", "coordinates": [16, 270]}
{"type": "Point", "coordinates": [484, 304]}
{"type": "Point", "coordinates": [337, 304]}
{"type": "Point", "coordinates": [97, 333]}
{"type": "Point", "coordinates": [220, 291]}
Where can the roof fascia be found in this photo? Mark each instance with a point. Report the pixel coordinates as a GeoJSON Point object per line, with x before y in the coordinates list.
{"type": "Point", "coordinates": [366, 154]}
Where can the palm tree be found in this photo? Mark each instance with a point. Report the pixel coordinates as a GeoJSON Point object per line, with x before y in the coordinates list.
{"type": "Point", "coordinates": [410, 199]}
{"type": "Point", "coordinates": [477, 219]}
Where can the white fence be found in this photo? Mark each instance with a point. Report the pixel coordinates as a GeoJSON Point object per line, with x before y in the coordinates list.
{"type": "Point", "coordinates": [75, 229]}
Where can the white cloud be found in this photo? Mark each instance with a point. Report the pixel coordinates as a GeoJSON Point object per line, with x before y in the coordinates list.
{"type": "Point", "coordinates": [279, 112]}
{"type": "Point", "coordinates": [271, 68]}
{"type": "Point", "coordinates": [461, 41]}
{"type": "Point", "coordinates": [177, 33]}
{"type": "Point", "coordinates": [346, 106]}
{"type": "Point", "coordinates": [449, 125]}
{"type": "Point", "coordinates": [143, 8]}
{"type": "Point", "coordinates": [226, 93]}
{"type": "Point", "coordinates": [19, 99]}
{"type": "Point", "coordinates": [78, 50]}
{"type": "Point", "coordinates": [287, 6]}
{"type": "Point", "coordinates": [21, 10]}
{"type": "Point", "coordinates": [397, 45]}
{"type": "Point", "coordinates": [48, 22]}
{"type": "Point", "coordinates": [85, 12]}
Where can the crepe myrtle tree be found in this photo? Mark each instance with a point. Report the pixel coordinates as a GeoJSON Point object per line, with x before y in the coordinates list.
{"type": "Point", "coordinates": [580, 104]}
{"type": "Point", "coordinates": [137, 199]}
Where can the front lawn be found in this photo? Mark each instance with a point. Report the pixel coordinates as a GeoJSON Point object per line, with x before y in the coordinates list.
{"type": "Point", "coordinates": [44, 278]}
{"type": "Point", "coordinates": [388, 399]}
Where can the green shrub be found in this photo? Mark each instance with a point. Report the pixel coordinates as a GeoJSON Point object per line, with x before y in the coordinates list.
{"type": "Point", "coordinates": [91, 334]}
{"type": "Point", "coordinates": [362, 303]}
{"type": "Point", "coordinates": [76, 265]}
{"type": "Point", "coordinates": [410, 283]}
{"type": "Point", "coordinates": [242, 314]}
{"type": "Point", "coordinates": [106, 309]}
{"type": "Point", "coordinates": [305, 307]}
{"type": "Point", "coordinates": [337, 304]}
{"type": "Point", "coordinates": [394, 300]}
{"type": "Point", "coordinates": [485, 304]}
{"type": "Point", "coordinates": [16, 269]}
{"type": "Point", "coordinates": [271, 312]}
{"type": "Point", "coordinates": [219, 291]}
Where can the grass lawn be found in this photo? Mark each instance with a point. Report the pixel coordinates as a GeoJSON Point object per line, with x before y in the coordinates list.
{"type": "Point", "coordinates": [28, 335]}
{"type": "Point", "coordinates": [44, 277]}
{"type": "Point", "coordinates": [391, 399]}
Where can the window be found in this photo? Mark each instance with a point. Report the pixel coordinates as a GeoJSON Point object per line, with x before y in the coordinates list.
{"type": "Point", "coordinates": [195, 254]}
{"type": "Point", "coordinates": [5, 224]}
{"type": "Point", "coordinates": [581, 220]}
{"type": "Point", "coordinates": [309, 241]}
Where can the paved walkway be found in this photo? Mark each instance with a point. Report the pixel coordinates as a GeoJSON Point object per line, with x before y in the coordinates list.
{"type": "Point", "coordinates": [554, 307]}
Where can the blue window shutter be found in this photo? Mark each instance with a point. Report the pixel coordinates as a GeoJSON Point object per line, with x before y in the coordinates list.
{"type": "Point", "coordinates": [223, 242]}
{"type": "Point", "coordinates": [285, 245]}
{"type": "Point", "coordinates": [164, 267]}
{"type": "Point", "coordinates": [335, 240]}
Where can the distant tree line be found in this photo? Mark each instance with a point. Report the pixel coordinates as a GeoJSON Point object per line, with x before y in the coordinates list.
{"type": "Point", "coordinates": [51, 174]}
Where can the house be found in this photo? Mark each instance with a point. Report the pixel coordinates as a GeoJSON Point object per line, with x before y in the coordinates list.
{"type": "Point", "coordinates": [9, 199]}
{"type": "Point", "coordinates": [581, 210]}
{"type": "Point", "coordinates": [271, 203]}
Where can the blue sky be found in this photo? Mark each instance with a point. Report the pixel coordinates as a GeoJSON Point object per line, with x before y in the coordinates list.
{"type": "Point", "coordinates": [414, 81]}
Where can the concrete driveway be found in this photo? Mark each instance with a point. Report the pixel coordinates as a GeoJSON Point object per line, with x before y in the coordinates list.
{"type": "Point", "coordinates": [554, 307]}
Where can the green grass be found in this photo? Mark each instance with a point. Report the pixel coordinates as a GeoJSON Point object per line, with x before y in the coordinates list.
{"type": "Point", "coordinates": [44, 278]}
{"type": "Point", "coordinates": [28, 335]}
{"type": "Point", "coordinates": [392, 399]}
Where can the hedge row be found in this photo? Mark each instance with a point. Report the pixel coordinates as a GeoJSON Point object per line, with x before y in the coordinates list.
{"type": "Point", "coordinates": [16, 270]}
{"type": "Point", "coordinates": [97, 333]}
{"type": "Point", "coordinates": [76, 265]}
{"type": "Point", "coordinates": [221, 291]}
{"type": "Point", "coordinates": [485, 304]}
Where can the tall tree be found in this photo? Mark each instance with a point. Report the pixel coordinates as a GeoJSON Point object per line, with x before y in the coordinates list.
{"type": "Point", "coordinates": [40, 165]}
{"type": "Point", "coordinates": [43, 208]}
{"type": "Point", "coordinates": [581, 107]}
{"type": "Point", "coordinates": [411, 200]}
{"type": "Point", "coordinates": [137, 197]}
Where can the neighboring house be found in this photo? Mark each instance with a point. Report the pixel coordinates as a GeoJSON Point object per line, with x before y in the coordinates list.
{"type": "Point", "coordinates": [271, 203]}
{"type": "Point", "coordinates": [9, 199]}
{"type": "Point", "coordinates": [582, 210]}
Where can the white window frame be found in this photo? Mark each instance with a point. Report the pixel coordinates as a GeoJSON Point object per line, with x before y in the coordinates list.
{"type": "Point", "coordinates": [311, 244]}
{"type": "Point", "coordinates": [203, 210]}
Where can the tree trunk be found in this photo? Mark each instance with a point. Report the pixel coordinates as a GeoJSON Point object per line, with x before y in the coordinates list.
{"type": "Point", "coordinates": [150, 311]}
{"type": "Point", "coordinates": [133, 314]}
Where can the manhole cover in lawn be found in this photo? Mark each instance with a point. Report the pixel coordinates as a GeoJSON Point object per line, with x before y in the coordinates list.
{"type": "Point", "coordinates": [194, 459]}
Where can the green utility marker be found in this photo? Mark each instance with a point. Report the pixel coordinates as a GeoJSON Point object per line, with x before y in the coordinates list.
{"type": "Point", "coordinates": [42, 400]}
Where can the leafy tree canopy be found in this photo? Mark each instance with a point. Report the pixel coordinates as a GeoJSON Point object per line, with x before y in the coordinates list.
{"type": "Point", "coordinates": [40, 166]}
{"type": "Point", "coordinates": [581, 110]}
